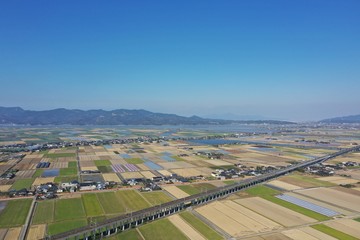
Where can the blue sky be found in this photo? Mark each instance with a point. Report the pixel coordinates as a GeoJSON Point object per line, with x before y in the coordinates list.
{"type": "Point", "coordinates": [293, 60]}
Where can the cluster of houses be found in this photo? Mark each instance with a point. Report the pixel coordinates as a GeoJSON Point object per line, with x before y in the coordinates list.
{"type": "Point", "coordinates": [210, 155]}
{"type": "Point", "coordinates": [329, 169]}
{"type": "Point", "coordinates": [50, 190]}
{"type": "Point", "coordinates": [8, 174]}
{"type": "Point", "coordinates": [241, 171]}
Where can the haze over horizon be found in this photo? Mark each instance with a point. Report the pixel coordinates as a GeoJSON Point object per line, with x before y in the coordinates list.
{"type": "Point", "coordinates": [287, 60]}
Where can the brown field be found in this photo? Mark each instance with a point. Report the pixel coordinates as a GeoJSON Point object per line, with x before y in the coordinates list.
{"type": "Point", "coordinates": [4, 188]}
{"type": "Point", "coordinates": [39, 181]}
{"type": "Point", "coordinates": [36, 232]}
{"type": "Point", "coordinates": [317, 234]}
{"type": "Point", "coordinates": [183, 164]}
{"type": "Point", "coordinates": [183, 226]}
{"type": "Point", "coordinates": [25, 174]}
{"type": "Point", "coordinates": [148, 174]}
{"type": "Point", "coordinates": [59, 165]}
{"type": "Point", "coordinates": [3, 232]}
{"type": "Point", "coordinates": [282, 215]}
{"type": "Point", "coordinates": [348, 226]}
{"type": "Point", "coordinates": [164, 172]}
{"type": "Point", "coordinates": [347, 190]}
{"type": "Point", "coordinates": [167, 165]}
{"type": "Point", "coordinates": [267, 223]}
{"type": "Point", "coordinates": [297, 234]}
{"type": "Point", "coordinates": [284, 185]}
{"type": "Point", "coordinates": [63, 151]}
{"type": "Point", "coordinates": [187, 172]}
{"type": "Point", "coordinates": [224, 222]}
{"type": "Point", "coordinates": [332, 196]}
{"type": "Point", "coordinates": [87, 164]}
{"type": "Point", "coordinates": [13, 233]}
{"type": "Point", "coordinates": [88, 158]}
{"type": "Point", "coordinates": [129, 175]}
{"type": "Point", "coordinates": [104, 153]}
{"type": "Point", "coordinates": [338, 180]}
{"type": "Point", "coordinates": [235, 219]}
{"type": "Point", "coordinates": [217, 162]}
{"type": "Point", "coordinates": [34, 156]}
{"type": "Point", "coordinates": [89, 168]}
{"type": "Point", "coordinates": [320, 203]}
{"type": "Point", "coordinates": [175, 191]}
{"type": "Point", "coordinates": [353, 173]}
{"type": "Point", "coordinates": [11, 143]}
{"type": "Point", "coordinates": [118, 161]}
{"type": "Point", "coordinates": [111, 177]}
{"type": "Point", "coordinates": [254, 238]}
{"type": "Point", "coordinates": [143, 167]}
{"type": "Point", "coordinates": [275, 236]}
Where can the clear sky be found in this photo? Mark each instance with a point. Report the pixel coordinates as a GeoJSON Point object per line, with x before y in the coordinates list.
{"type": "Point", "coordinates": [293, 60]}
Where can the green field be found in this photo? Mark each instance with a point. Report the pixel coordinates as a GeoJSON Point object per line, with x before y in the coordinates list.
{"type": "Point", "coordinates": [68, 171]}
{"type": "Point", "coordinates": [161, 229]}
{"type": "Point", "coordinates": [200, 226]}
{"type": "Point", "coordinates": [261, 190]}
{"type": "Point", "coordinates": [63, 226]}
{"type": "Point", "coordinates": [157, 197]}
{"type": "Point", "coordinates": [105, 169]}
{"type": "Point", "coordinates": [65, 179]}
{"type": "Point", "coordinates": [134, 160]}
{"type": "Point", "coordinates": [228, 182]}
{"type": "Point", "coordinates": [177, 158]}
{"type": "Point", "coordinates": [196, 188]}
{"type": "Point", "coordinates": [72, 164]}
{"type": "Point", "coordinates": [15, 213]}
{"type": "Point", "coordinates": [312, 182]}
{"type": "Point", "coordinates": [38, 173]}
{"type": "Point", "coordinates": [92, 205]}
{"type": "Point", "coordinates": [357, 219]}
{"type": "Point", "coordinates": [102, 163]}
{"type": "Point", "coordinates": [69, 209]}
{"type": "Point", "coordinates": [110, 203]}
{"type": "Point", "coordinates": [333, 232]}
{"type": "Point", "coordinates": [44, 212]}
{"type": "Point", "coordinates": [132, 200]}
{"type": "Point", "coordinates": [22, 183]}
{"type": "Point", "coordinates": [131, 234]}
{"type": "Point", "coordinates": [296, 208]}
{"type": "Point", "coordinates": [59, 155]}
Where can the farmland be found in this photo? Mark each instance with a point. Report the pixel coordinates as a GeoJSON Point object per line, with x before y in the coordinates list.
{"type": "Point", "coordinates": [200, 226]}
{"type": "Point", "coordinates": [132, 200]}
{"type": "Point", "coordinates": [14, 213]}
{"type": "Point", "coordinates": [44, 212]}
{"type": "Point", "coordinates": [92, 205]}
{"type": "Point", "coordinates": [22, 183]}
{"type": "Point", "coordinates": [155, 230]}
{"type": "Point", "coordinates": [156, 198]}
{"type": "Point", "coordinates": [66, 209]}
{"type": "Point", "coordinates": [256, 211]}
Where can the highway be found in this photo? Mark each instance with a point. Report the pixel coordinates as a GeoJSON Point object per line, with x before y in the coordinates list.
{"type": "Point", "coordinates": [133, 219]}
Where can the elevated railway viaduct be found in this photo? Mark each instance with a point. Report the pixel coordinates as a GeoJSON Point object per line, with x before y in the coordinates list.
{"type": "Point", "coordinates": [130, 220]}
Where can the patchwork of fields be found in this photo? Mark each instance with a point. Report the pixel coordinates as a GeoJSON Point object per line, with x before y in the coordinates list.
{"type": "Point", "coordinates": [291, 207]}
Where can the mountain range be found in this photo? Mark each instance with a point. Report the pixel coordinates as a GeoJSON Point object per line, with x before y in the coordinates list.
{"type": "Point", "coordinates": [346, 119]}
{"type": "Point", "coordinates": [62, 116]}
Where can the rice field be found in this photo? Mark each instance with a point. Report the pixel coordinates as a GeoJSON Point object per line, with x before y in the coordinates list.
{"type": "Point", "coordinates": [156, 197]}
{"type": "Point", "coordinates": [15, 213]}
{"type": "Point", "coordinates": [155, 230]}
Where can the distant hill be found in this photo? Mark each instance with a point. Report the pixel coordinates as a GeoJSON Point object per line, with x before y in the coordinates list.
{"type": "Point", "coordinates": [346, 119]}
{"type": "Point", "coordinates": [62, 116]}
